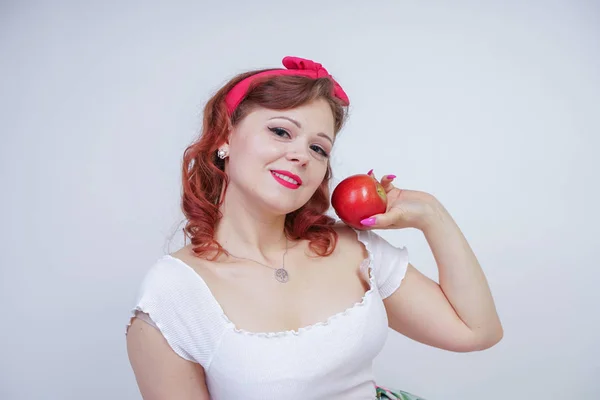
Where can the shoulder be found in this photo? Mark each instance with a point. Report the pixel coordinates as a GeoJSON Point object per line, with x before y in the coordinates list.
{"type": "Point", "coordinates": [172, 284]}
{"type": "Point", "coordinates": [168, 274]}
{"type": "Point", "coordinates": [178, 302]}
{"type": "Point", "coordinates": [351, 239]}
{"type": "Point", "coordinates": [348, 239]}
{"type": "Point", "coordinates": [200, 265]}
{"type": "Point", "coordinates": [187, 255]}
{"type": "Point", "coordinates": [345, 233]}
{"type": "Point", "coordinates": [167, 286]}
{"type": "Point", "coordinates": [177, 278]}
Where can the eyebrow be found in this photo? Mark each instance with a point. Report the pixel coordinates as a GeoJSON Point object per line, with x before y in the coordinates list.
{"type": "Point", "coordinates": [299, 125]}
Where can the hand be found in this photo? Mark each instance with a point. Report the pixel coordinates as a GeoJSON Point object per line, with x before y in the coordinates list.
{"type": "Point", "coordinates": [405, 208]}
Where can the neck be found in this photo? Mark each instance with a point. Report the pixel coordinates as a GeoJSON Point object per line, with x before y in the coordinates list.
{"type": "Point", "coordinates": [250, 232]}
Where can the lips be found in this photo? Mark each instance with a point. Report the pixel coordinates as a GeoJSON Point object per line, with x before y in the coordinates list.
{"type": "Point", "coordinates": [287, 179]}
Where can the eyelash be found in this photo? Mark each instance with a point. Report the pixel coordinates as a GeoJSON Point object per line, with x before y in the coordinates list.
{"type": "Point", "coordinates": [280, 131]}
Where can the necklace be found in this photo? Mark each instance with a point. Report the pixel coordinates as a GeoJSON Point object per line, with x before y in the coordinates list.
{"type": "Point", "coordinates": [281, 273]}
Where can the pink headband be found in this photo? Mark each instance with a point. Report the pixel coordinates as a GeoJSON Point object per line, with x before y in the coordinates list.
{"type": "Point", "coordinates": [295, 66]}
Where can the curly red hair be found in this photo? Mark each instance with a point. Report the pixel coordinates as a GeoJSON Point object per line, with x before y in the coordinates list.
{"type": "Point", "coordinates": [204, 179]}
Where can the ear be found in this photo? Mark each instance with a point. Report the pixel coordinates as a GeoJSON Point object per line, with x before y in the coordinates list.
{"type": "Point", "coordinates": [224, 143]}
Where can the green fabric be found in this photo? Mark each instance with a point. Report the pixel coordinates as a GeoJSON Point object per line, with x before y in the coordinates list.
{"type": "Point", "coordinates": [383, 393]}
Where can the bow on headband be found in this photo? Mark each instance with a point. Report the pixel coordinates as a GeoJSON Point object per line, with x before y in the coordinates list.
{"type": "Point", "coordinates": [295, 66]}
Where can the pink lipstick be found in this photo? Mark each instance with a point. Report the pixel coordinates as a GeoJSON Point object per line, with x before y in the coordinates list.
{"type": "Point", "coordinates": [287, 179]}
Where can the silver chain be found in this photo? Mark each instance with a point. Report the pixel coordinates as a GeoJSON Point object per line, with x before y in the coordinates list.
{"type": "Point", "coordinates": [281, 274]}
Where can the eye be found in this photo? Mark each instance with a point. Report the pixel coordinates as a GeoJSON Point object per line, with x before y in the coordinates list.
{"type": "Point", "coordinates": [319, 150]}
{"type": "Point", "coordinates": [280, 132]}
{"type": "Point", "coordinates": [285, 134]}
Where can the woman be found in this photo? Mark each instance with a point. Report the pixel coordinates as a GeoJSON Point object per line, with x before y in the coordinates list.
{"type": "Point", "coordinates": [273, 299]}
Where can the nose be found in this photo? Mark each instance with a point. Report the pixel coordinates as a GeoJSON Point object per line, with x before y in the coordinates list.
{"type": "Point", "coordinates": [298, 155]}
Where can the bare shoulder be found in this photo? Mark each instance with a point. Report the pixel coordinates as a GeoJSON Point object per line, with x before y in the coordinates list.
{"type": "Point", "coordinates": [183, 253]}
{"type": "Point", "coordinates": [187, 255]}
{"type": "Point", "coordinates": [348, 239]}
{"type": "Point", "coordinates": [345, 232]}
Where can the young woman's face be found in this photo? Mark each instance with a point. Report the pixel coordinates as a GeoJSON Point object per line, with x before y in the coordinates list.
{"type": "Point", "coordinates": [278, 159]}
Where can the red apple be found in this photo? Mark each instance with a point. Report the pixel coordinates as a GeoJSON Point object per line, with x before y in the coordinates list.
{"type": "Point", "coordinates": [358, 197]}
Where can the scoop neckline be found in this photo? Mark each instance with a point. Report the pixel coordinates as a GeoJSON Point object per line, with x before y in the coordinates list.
{"type": "Point", "coordinates": [366, 263]}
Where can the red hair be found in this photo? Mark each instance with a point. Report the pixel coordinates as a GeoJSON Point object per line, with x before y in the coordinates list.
{"type": "Point", "coordinates": [204, 179]}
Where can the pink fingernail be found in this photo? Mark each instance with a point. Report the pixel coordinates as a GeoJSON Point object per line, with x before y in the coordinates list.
{"type": "Point", "coordinates": [391, 176]}
{"type": "Point", "coordinates": [370, 172]}
{"type": "Point", "coordinates": [368, 221]}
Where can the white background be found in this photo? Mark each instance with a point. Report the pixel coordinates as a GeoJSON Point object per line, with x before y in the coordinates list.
{"type": "Point", "coordinates": [494, 107]}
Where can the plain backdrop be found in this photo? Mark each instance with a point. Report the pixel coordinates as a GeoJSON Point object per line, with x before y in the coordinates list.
{"type": "Point", "coordinates": [493, 107]}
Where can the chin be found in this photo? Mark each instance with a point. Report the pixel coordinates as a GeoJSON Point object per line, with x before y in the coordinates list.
{"type": "Point", "coordinates": [283, 205]}
{"type": "Point", "coordinates": [283, 209]}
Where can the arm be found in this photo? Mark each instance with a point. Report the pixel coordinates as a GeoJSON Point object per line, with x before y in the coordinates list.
{"type": "Point", "coordinates": [458, 314]}
{"type": "Point", "coordinates": [161, 374]}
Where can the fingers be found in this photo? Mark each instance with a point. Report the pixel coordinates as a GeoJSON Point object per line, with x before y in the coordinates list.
{"type": "Point", "coordinates": [382, 221]}
{"type": "Point", "coordinates": [386, 181]}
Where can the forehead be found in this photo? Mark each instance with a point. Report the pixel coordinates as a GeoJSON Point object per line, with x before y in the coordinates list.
{"type": "Point", "coordinates": [313, 116]}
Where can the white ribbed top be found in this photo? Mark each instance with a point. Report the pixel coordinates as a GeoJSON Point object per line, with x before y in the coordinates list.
{"type": "Point", "coordinates": [330, 359]}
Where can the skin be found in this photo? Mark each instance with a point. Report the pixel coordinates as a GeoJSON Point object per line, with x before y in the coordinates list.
{"type": "Point", "coordinates": [458, 314]}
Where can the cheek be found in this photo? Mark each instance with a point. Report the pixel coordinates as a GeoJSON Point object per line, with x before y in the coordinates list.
{"type": "Point", "coordinates": [248, 149]}
{"type": "Point", "coordinates": [318, 174]}
{"type": "Point", "coordinates": [260, 146]}
{"type": "Point", "coordinates": [250, 156]}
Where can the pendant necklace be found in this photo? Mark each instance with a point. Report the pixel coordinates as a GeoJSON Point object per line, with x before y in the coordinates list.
{"type": "Point", "coordinates": [281, 274]}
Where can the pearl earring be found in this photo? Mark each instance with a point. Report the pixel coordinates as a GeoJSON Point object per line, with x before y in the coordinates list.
{"type": "Point", "coordinates": [222, 154]}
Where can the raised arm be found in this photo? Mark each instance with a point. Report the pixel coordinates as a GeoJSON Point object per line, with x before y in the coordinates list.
{"type": "Point", "coordinates": [457, 314]}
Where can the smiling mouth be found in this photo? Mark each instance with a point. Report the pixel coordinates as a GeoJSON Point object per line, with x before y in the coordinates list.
{"type": "Point", "coordinates": [286, 180]}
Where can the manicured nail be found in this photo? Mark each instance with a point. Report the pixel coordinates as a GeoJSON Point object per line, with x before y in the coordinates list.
{"type": "Point", "coordinates": [370, 172]}
{"type": "Point", "coordinates": [390, 177]}
{"type": "Point", "coordinates": [368, 221]}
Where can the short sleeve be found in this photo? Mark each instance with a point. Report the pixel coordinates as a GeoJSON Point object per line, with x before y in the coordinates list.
{"type": "Point", "coordinates": [388, 262]}
{"type": "Point", "coordinates": [175, 299]}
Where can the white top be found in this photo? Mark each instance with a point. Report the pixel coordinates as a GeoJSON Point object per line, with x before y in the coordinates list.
{"type": "Point", "coordinates": [330, 359]}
